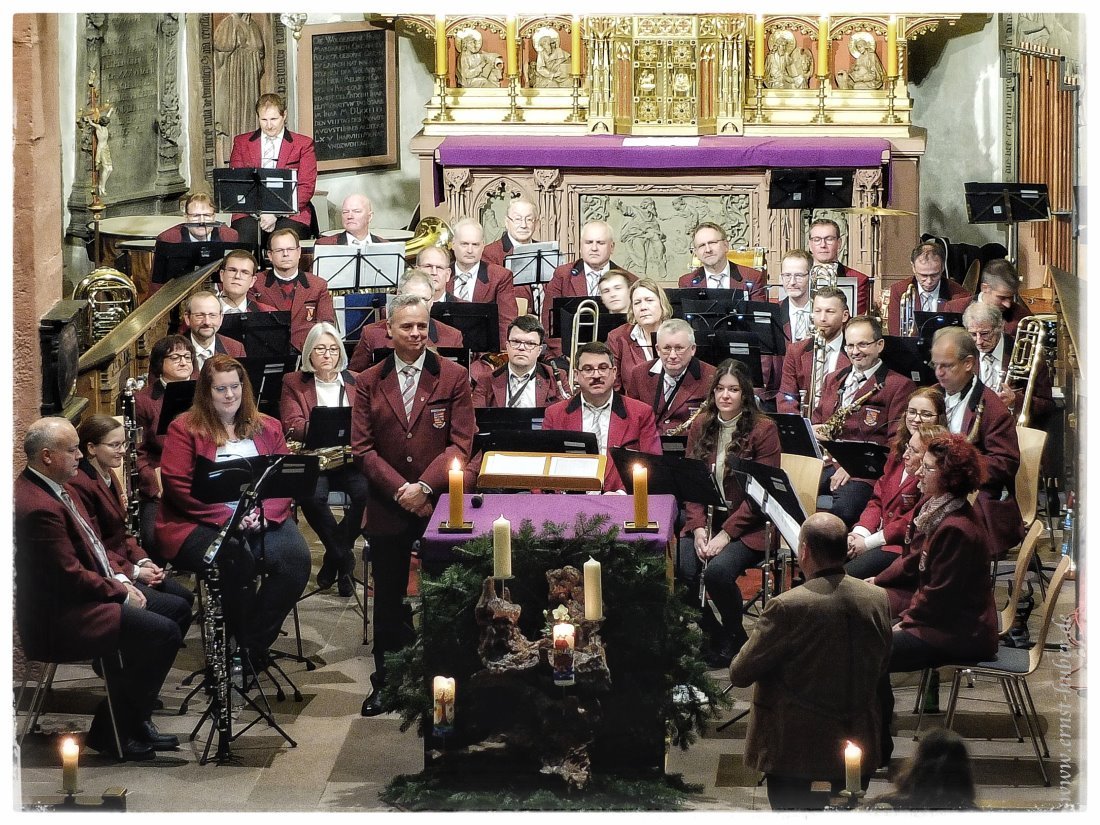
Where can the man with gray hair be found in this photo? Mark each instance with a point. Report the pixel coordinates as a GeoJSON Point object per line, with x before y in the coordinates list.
{"type": "Point", "coordinates": [1000, 287]}
{"type": "Point", "coordinates": [479, 281]}
{"type": "Point", "coordinates": [71, 605]}
{"type": "Point", "coordinates": [675, 383]}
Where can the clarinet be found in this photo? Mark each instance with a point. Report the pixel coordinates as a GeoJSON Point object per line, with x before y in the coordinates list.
{"type": "Point", "coordinates": [217, 658]}
{"type": "Point", "coordinates": [133, 434]}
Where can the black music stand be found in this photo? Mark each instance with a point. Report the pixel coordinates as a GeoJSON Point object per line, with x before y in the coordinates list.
{"type": "Point", "coordinates": [460, 355]}
{"type": "Point", "coordinates": [533, 264]}
{"type": "Point", "coordinates": [537, 441]}
{"type": "Point", "coordinates": [796, 435]}
{"type": "Point", "coordinates": [378, 266]}
{"type": "Point", "coordinates": [512, 419]}
{"type": "Point", "coordinates": [726, 297]}
{"type": "Point", "coordinates": [762, 318]}
{"type": "Point", "coordinates": [263, 334]}
{"type": "Point", "coordinates": [929, 323]}
{"type": "Point", "coordinates": [903, 355]}
{"type": "Point", "coordinates": [256, 190]}
{"type": "Point", "coordinates": [688, 479]}
{"type": "Point", "coordinates": [674, 445]}
{"type": "Point", "coordinates": [862, 459]}
{"type": "Point", "coordinates": [717, 345]}
{"type": "Point", "coordinates": [170, 260]}
{"type": "Point", "coordinates": [477, 322]}
{"type": "Point", "coordinates": [1010, 203]}
{"type": "Point", "coordinates": [565, 307]}
{"type": "Point", "coordinates": [266, 375]}
{"type": "Point", "coordinates": [178, 398]}
{"type": "Point", "coordinates": [810, 189]}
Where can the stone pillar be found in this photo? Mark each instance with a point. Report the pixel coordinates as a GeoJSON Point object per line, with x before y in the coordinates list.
{"type": "Point", "coordinates": [169, 179]}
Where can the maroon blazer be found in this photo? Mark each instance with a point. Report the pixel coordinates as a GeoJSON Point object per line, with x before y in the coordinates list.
{"type": "Point", "coordinates": [175, 234]}
{"type": "Point", "coordinates": [939, 588]}
{"type": "Point", "coordinates": [648, 387]}
{"type": "Point", "coordinates": [1012, 318]}
{"type": "Point", "coordinates": [299, 397]}
{"type": "Point", "coordinates": [568, 282]}
{"type": "Point", "coordinates": [628, 354]}
{"type": "Point", "coordinates": [147, 404]}
{"type": "Point", "coordinates": [180, 512]}
{"type": "Point", "coordinates": [492, 391]}
{"type": "Point", "coordinates": [391, 450]}
{"type": "Point", "coordinates": [222, 345]}
{"type": "Point", "coordinates": [251, 306]}
{"type": "Point", "coordinates": [863, 288]}
{"type": "Point", "coordinates": [892, 505]}
{"type": "Point", "coordinates": [377, 336]}
{"type": "Point", "coordinates": [65, 608]}
{"type": "Point", "coordinates": [744, 520]}
{"type": "Point", "coordinates": [295, 152]}
{"type": "Point", "coordinates": [739, 276]}
{"type": "Point", "coordinates": [109, 517]}
{"type": "Point", "coordinates": [878, 417]}
{"type": "Point", "coordinates": [632, 426]}
{"type": "Point", "coordinates": [308, 304]}
{"type": "Point", "coordinates": [341, 239]}
{"type": "Point", "coordinates": [797, 366]}
{"type": "Point", "coordinates": [493, 285]}
{"type": "Point", "coordinates": [498, 250]}
{"type": "Point", "coordinates": [949, 290]}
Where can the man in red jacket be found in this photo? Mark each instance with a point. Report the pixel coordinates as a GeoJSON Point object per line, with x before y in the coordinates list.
{"type": "Point", "coordinates": [302, 294]}
{"type": "Point", "coordinates": [477, 280]}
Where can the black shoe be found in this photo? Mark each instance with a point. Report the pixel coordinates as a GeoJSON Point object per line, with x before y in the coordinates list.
{"type": "Point", "coordinates": [372, 705]}
{"type": "Point", "coordinates": [132, 750]}
{"type": "Point", "coordinates": [326, 576]}
{"type": "Point", "coordinates": [345, 586]}
{"type": "Point", "coordinates": [158, 741]}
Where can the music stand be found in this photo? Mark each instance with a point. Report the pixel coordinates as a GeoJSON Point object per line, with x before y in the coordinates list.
{"type": "Point", "coordinates": [460, 355]}
{"type": "Point", "coordinates": [178, 398]}
{"type": "Point", "coordinates": [512, 419]}
{"type": "Point", "coordinates": [741, 346]}
{"type": "Point", "coordinates": [689, 479]}
{"type": "Point", "coordinates": [263, 334]}
{"type": "Point", "coordinates": [796, 435]}
{"type": "Point", "coordinates": [328, 427]}
{"type": "Point", "coordinates": [677, 297]}
{"type": "Point", "coordinates": [476, 321]}
{"type": "Point", "coordinates": [378, 266]}
{"type": "Point", "coordinates": [266, 375]}
{"type": "Point", "coordinates": [903, 355]}
{"type": "Point", "coordinates": [929, 323]}
{"type": "Point", "coordinates": [776, 497]}
{"type": "Point", "coordinates": [862, 459]}
{"type": "Point", "coordinates": [1010, 203]}
{"type": "Point", "coordinates": [762, 318]}
{"type": "Point", "coordinates": [564, 308]}
{"type": "Point", "coordinates": [537, 441]}
{"type": "Point", "coordinates": [170, 260]}
{"type": "Point", "coordinates": [674, 445]}
{"type": "Point", "coordinates": [810, 189]}
{"type": "Point", "coordinates": [533, 264]}
{"type": "Point", "coordinates": [256, 190]}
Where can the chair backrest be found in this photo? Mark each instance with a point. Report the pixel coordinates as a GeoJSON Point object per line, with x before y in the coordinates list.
{"type": "Point", "coordinates": [805, 474]}
{"type": "Point", "coordinates": [1064, 570]}
{"type": "Point", "coordinates": [1023, 562]}
{"type": "Point", "coordinates": [1032, 443]}
{"type": "Point", "coordinates": [521, 305]}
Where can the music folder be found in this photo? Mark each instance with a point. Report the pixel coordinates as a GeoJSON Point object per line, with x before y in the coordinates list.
{"type": "Point", "coordinates": [928, 323]}
{"type": "Point", "coordinates": [266, 375]}
{"type": "Point", "coordinates": [170, 260]}
{"type": "Point", "coordinates": [689, 479]}
{"type": "Point", "coordinates": [178, 398]}
{"type": "Point", "coordinates": [255, 190]}
{"type": "Point", "coordinates": [774, 494]}
{"type": "Point", "coordinates": [218, 482]}
{"type": "Point", "coordinates": [536, 441]}
{"type": "Point", "coordinates": [533, 263]}
{"type": "Point", "coordinates": [903, 355]}
{"type": "Point", "coordinates": [328, 427]}
{"type": "Point", "coordinates": [515, 419]}
{"type": "Point", "coordinates": [862, 459]}
{"type": "Point", "coordinates": [796, 435]}
{"type": "Point", "coordinates": [695, 295]}
{"type": "Point", "coordinates": [477, 323]}
{"type": "Point", "coordinates": [263, 334]}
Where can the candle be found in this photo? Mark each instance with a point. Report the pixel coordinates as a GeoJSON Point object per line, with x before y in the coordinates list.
{"type": "Point", "coordinates": [564, 636]}
{"type": "Point", "coordinates": [892, 46]}
{"type": "Point", "coordinates": [575, 56]}
{"type": "Point", "coordinates": [758, 46]}
{"type": "Point", "coordinates": [70, 753]}
{"type": "Point", "coordinates": [440, 44]}
{"type": "Point", "coordinates": [443, 704]}
{"type": "Point", "coordinates": [641, 496]}
{"type": "Point", "coordinates": [822, 46]}
{"type": "Point", "coordinates": [502, 548]}
{"type": "Point", "coordinates": [852, 758]}
{"type": "Point", "coordinates": [562, 657]}
{"type": "Point", "coordinates": [593, 590]}
{"type": "Point", "coordinates": [510, 44]}
{"type": "Point", "coordinates": [454, 487]}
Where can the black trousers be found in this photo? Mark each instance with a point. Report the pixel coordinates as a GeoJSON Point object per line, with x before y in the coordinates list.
{"type": "Point", "coordinates": [720, 578]}
{"type": "Point", "coordinates": [847, 502]}
{"type": "Point", "coordinates": [147, 645]}
{"type": "Point", "coordinates": [170, 599]}
{"type": "Point", "coordinates": [393, 628]}
{"type": "Point", "coordinates": [869, 563]}
{"type": "Point", "coordinates": [337, 537]}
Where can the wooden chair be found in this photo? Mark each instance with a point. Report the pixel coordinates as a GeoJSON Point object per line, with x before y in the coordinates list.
{"type": "Point", "coordinates": [805, 474]}
{"type": "Point", "coordinates": [1028, 476]}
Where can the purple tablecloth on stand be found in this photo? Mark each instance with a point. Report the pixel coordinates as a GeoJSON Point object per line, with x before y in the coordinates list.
{"type": "Point", "coordinates": [560, 509]}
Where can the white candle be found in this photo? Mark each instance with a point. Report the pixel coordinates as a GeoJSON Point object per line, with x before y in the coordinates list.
{"type": "Point", "coordinates": [70, 754]}
{"type": "Point", "coordinates": [593, 590]}
{"type": "Point", "coordinates": [853, 756]}
{"type": "Point", "coordinates": [502, 548]}
{"type": "Point", "coordinates": [454, 488]}
{"type": "Point", "coordinates": [443, 694]}
{"type": "Point", "coordinates": [564, 637]}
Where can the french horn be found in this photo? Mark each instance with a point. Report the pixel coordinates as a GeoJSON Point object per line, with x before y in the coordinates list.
{"type": "Point", "coordinates": [111, 296]}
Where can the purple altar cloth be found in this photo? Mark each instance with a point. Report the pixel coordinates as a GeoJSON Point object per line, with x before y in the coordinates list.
{"type": "Point", "coordinates": [560, 509]}
{"type": "Point", "coordinates": [608, 152]}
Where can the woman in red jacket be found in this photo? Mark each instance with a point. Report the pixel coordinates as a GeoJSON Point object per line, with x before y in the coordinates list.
{"type": "Point", "coordinates": [729, 426]}
{"type": "Point", "coordinates": [634, 342]}
{"type": "Point", "coordinates": [224, 424]}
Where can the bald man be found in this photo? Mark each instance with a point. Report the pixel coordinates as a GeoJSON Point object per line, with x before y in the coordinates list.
{"type": "Point", "coordinates": [355, 214]}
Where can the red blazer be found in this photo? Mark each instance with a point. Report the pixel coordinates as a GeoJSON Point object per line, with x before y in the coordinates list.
{"type": "Point", "coordinates": [492, 391]}
{"type": "Point", "coordinates": [493, 285]}
{"type": "Point", "coordinates": [863, 288]}
{"type": "Point", "coordinates": [391, 450]}
{"type": "Point", "coordinates": [309, 303]}
{"type": "Point", "coordinates": [104, 504]}
{"type": "Point", "coordinates": [878, 418]}
{"type": "Point", "coordinates": [65, 608]}
{"type": "Point", "coordinates": [648, 387]}
{"type": "Point", "coordinates": [377, 336]}
{"type": "Point", "coordinates": [180, 512]}
{"type": "Point", "coordinates": [1012, 318]}
{"type": "Point", "coordinates": [223, 345]}
{"type": "Point", "coordinates": [498, 250]}
{"type": "Point", "coordinates": [175, 234]}
{"type": "Point", "coordinates": [568, 282]}
{"type": "Point", "coordinates": [628, 354]}
{"type": "Point", "coordinates": [147, 404]}
{"type": "Point", "coordinates": [632, 426]}
{"type": "Point", "coordinates": [797, 366]}
{"type": "Point", "coordinates": [892, 505]}
{"type": "Point", "coordinates": [299, 397]}
{"type": "Point", "coordinates": [739, 276]}
{"type": "Point", "coordinates": [295, 152]}
{"type": "Point", "coordinates": [949, 290]}
{"type": "Point", "coordinates": [341, 239]}
{"type": "Point", "coordinates": [940, 589]}
{"type": "Point", "coordinates": [744, 521]}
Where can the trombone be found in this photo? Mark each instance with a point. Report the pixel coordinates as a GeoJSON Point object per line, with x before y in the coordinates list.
{"type": "Point", "coordinates": [587, 317]}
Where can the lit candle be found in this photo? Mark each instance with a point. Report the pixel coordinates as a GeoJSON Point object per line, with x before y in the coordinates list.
{"type": "Point", "coordinates": [564, 636]}
{"type": "Point", "coordinates": [892, 46]}
{"type": "Point", "coordinates": [443, 704]}
{"type": "Point", "coordinates": [641, 496]}
{"type": "Point", "coordinates": [562, 657]}
{"type": "Point", "coordinates": [502, 548]}
{"type": "Point", "coordinates": [575, 56]}
{"type": "Point", "coordinates": [70, 753]}
{"type": "Point", "coordinates": [440, 44]}
{"type": "Point", "coordinates": [822, 46]}
{"type": "Point", "coordinates": [593, 590]}
{"type": "Point", "coordinates": [510, 44]}
{"type": "Point", "coordinates": [852, 758]}
{"type": "Point", "coordinates": [758, 46]}
{"type": "Point", "coordinates": [454, 487]}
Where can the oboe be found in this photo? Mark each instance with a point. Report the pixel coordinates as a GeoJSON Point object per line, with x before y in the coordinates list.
{"type": "Point", "coordinates": [133, 434]}
{"type": "Point", "coordinates": [217, 659]}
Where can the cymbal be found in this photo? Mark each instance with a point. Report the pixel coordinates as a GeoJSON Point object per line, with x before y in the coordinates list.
{"type": "Point", "coordinates": [878, 211]}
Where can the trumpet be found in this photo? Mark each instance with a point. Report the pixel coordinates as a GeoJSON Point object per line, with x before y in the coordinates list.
{"type": "Point", "coordinates": [907, 316]}
{"type": "Point", "coordinates": [587, 317]}
{"type": "Point", "coordinates": [1036, 342]}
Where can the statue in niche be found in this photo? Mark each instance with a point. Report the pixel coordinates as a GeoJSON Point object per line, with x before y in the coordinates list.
{"type": "Point", "coordinates": [476, 69]}
{"type": "Point", "coordinates": [866, 72]}
{"type": "Point", "coordinates": [645, 242]}
{"type": "Point", "coordinates": [102, 159]}
{"type": "Point", "coordinates": [787, 66]}
{"type": "Point", "coordinates": [551, 68]}
{"type": "Point", "coordinates": [647, 83]}
{"type": "Point", "coordinates": [238, 68]}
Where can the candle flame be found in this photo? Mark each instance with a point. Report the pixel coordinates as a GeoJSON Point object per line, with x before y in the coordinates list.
{"type": "Point", "coordinates": [454, 464]}
{"type": "Point", "coordinates": [852, 749]}
{"type": "Point", "coordinates": [69, 747]}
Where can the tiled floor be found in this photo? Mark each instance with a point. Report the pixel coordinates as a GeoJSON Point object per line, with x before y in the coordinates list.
{"type": "Point", "coordinates": [342, 760]}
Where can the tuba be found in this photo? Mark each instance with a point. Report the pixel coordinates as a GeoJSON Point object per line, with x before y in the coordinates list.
{"type": "Point", "coordinates": [111, 296]}
{"type": "Point", "coordinates": [329, 457]}
{"type": "Point", "coordinates": [1036, 342]}
{"type": "Point", "coordinates": [586, 318]}
{"type": "Point", "coordinates": [430, 231]}
{"type": "Point", "coordinates": [823, 275]}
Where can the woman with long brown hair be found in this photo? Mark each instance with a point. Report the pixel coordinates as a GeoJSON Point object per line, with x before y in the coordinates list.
{"type": "Point", "coordinates": [224, 424]}
{"type": "Point", "coordinates": [729, 427]}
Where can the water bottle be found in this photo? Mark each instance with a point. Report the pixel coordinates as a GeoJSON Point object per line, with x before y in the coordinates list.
{"type": "Point", "coordinates": [236, 678]}
{"type": "Point", "coordinates": [1067, 530]}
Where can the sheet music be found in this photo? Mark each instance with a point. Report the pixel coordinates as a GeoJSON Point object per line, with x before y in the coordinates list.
{"type": "Point", "coordinates": [379, 265]}
{"type": "Point", "coordinates": [514, 465]}
{"type": "Point", "coordinates": [568, 467]}
{"type": "Point", "coordinates": [529, 259]}
{"type": "Point", "coordinates": [783, 521]}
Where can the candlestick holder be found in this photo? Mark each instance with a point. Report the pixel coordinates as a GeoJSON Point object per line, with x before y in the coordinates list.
{"type": "Point", "coordinates": [575, 115]}
{"type": "Point", "coordinates": [650, 527]}
{"type": "Point", "coordinates": [821, 117]}
{"type": "Point", "coordinates": [561, 660]}
{"type": "Point", "coordinates": [112, 799]}
{"type": "Point", "coordinates": [447, 527]}
{"type": "Point", "coordinates": [757, 114]}
{"type": "Point", "coordinates": [442, 116]}
{"type": "Point", "coordinates": [891, 117]}
{"type": "Point", "coordinates": [851, 798]}
{"type": "Point", "coordinates": [514, 114]}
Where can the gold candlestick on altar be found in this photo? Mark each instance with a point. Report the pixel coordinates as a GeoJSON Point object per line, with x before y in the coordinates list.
{"type": "Point", "coordinates": [442, 115]}
{"type": "Point", "coordinates": [891, 117]}
{"type": "Point", "coordinates": [514, 114]}
{"type": "Point", "coordinates": [575, 115]}
{"type": "Point", "coordinates": [821, 117]}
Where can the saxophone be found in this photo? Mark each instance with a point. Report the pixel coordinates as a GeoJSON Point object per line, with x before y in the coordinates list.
{"type": "Point", "coordinates": [133, 435]}
{"type": "Point", "coordinates": [972, 436]}
{"type": "Point", "coordinates": [822, 275]}
{"type": "Point", "coordinates": [828, 431]}
{"type": "Point", "coordinates": [817, 374]}
{"type": "Point", "coordinates": [907, 316]}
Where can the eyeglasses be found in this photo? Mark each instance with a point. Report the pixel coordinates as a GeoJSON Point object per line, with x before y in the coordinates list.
{"type": "Point", "coordinates": [521, 345]}
{"type": "Point", "coordinates": [202, 316]}
{"type": "Point", "coordinates": [672, 350]}
{"type": "Point", "coordinates": [327, 350]}
{"type": "Point", "coordinates": [286, 251]}
{"type": "Point", "coordinates": [588, 369]}
{"type": "Point", "coordinates": [944, 365]}
{"type": "Point", "coordinates": [862, 346]}
{"type": "Point", "coordinates": [794, 276]}
{"type": "Point", "coordinates": [113, 445]}
{"type": "Point", "coordinates": [178, 357]}
{"type": "Point", "coordinates": [524, 221]}
{"type": "Point", "coordinates": [926, 469]}
{"type": "Point", "coordinates": [923, 415]}
{"type": "Point", "coordinates": [227, 388]}
{"type": "Point", "coordinates": [983, 334]}
{"type": "Point", "coordinates": [823, 239]}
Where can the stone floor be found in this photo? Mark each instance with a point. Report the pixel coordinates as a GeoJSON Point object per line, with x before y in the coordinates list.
{"type": "Point", "coordinates": [341, 760]}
